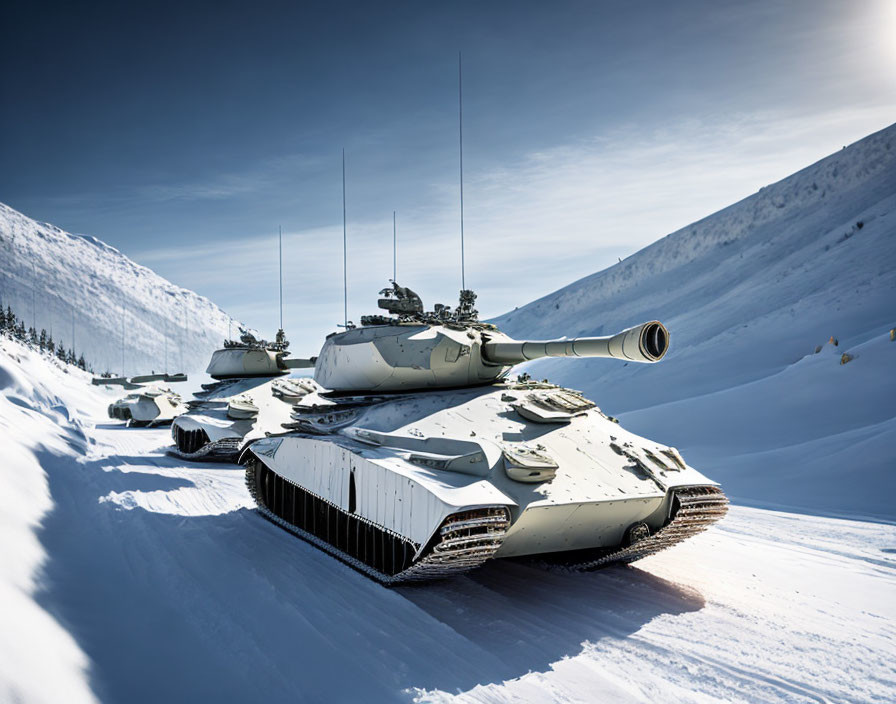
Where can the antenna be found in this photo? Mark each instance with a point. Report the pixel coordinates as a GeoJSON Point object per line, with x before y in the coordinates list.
{"type": "Point", "coordinates": [394, 249]}
{"type": "Point", "coordinates": [122, 340]}
{"type": "Point", "coordinates": [281, 276]}
{"type": "Point", "coordinates": [344, 249]}
{"type": "Point", "coordinates": [166, 345]}
{"type": "Point", "coordinates": [34, 297]}
{"type": "Point", "coordinates": [182, 339]}
{"type": "Point", "coordinates": [73, 329]}
{"type": "Point", "coordinates": [460, 130]}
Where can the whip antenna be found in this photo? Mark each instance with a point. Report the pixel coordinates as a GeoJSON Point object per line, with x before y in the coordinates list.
{"type": "Point", "coordinates": [394, 249]}
{"type": "Point", "coordinates": [281, 276]}
{"type": "Point", "coordinates": [34, 297]}
{"type": "Point", "coordinates": [182, 340]}
{"type": "Point", "coordinates": [344, 250]}
{"type": "Point", "coordinates": [460, 126]}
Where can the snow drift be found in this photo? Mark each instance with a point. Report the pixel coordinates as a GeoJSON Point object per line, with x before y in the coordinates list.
{"type": "Point", "coordinates": [748, 294]}
{"type": "Point", "coordinates": [67, 283]}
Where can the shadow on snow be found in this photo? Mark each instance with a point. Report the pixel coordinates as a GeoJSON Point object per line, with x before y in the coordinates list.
{"type": "Point", "coordinates": [171, 607]}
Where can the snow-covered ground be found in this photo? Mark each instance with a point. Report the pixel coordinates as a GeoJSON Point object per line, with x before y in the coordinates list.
{"type": "Point", "coordinates": [748, 294]}
{"type": "Point", "coordinates": [131, 576]}
{"type": "Point", "coordinates": [77, 285]}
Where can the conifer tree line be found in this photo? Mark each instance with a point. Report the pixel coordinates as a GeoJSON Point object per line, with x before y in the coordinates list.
{"type": "Point", "coordinates": [13, 327]}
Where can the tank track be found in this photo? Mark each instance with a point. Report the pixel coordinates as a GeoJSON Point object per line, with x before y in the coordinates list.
{"type": "Point", "coordinates": [463, 542]}
{"type": "Point", "coordinates": [148, 423]}
{"type": "Point", "coordinates": [224, 449]}
{"type": "Point", "coordinates": [694, 510]}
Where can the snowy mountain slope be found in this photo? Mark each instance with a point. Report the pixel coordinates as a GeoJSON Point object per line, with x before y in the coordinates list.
{"type": "Point", "coordinates": [137, 578]}
{"type": "Point", "coordinates": [748, 294]}
{"type": "Point", "coordinates": [66, 281]}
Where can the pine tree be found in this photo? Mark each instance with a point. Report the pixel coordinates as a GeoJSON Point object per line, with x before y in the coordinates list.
{"type": "Point", "coordinates": [42, 340]}
{"type": "Point", "coordinates": [32, 336]}
{"type": "Point", "coordinates": [70, 357]}
{"type": "Point", "coordinates": [82, 363]}
{"type": "Point", "coordinates": [60, 351]}
{"type": "Point", "coordinates": [21, 334]}
{"type": "Point", "coordinates": [51, 346]}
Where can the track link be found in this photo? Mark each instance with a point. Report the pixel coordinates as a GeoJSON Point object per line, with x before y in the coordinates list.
{"type": "Point", "coordinates": [694, 510]}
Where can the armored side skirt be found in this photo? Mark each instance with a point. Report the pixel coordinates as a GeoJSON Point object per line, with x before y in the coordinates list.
{"type": "Point", "coordinates": [693, 510]}
{"type": "Point", "coordinates": [464, 540]}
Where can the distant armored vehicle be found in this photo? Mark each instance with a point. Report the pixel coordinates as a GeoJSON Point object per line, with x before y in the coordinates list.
{"type": "Point", "coordinates": [421, 460]}
{"type": "Point", "coordinates": [151, 406]}
{"type": "Point", "coordinates": [242, 404]}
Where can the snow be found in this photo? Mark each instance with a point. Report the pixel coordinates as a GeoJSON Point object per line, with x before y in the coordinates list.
{"type": "Point", "coordinates": [62, 282]}
{"type": "Point", "coordinates": [748, 294]}
{"type": "Point", "coordinates": [34, 424]}
{"type": "Point", "coordinates": [135, 577]}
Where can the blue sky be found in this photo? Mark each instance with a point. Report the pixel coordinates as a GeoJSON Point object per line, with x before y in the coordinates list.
{"type": "Point", "coordinates": [186, 133]}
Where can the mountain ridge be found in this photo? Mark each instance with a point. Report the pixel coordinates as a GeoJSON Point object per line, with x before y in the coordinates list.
{"type": "Point", "coordinates": [62, 281]}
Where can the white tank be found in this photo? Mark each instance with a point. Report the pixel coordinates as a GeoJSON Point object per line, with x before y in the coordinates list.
{"type": "Point", "coordinates": [156, 406]}
{"type": "Point", "coordinates": [149, 406]}
{"type": "Point", "coordinates": [421, 460]}
{"type": "Point", "coordinates": [244, 403]}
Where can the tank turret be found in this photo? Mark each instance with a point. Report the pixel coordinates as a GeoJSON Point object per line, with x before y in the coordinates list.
{"type": "Point", "coordinates": [445, 348]}
{"type": "Point", "coordinates": [250, 357]}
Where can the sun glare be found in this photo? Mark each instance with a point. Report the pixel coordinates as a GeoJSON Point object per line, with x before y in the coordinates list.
{"type": "Point", "coordinates": [886, 13]}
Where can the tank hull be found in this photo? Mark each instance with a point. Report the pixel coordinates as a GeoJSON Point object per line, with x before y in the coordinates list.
{"type": "Point", "coordinates": [442, 481]}
{"type": "Point", "coordinates": [219, 421]}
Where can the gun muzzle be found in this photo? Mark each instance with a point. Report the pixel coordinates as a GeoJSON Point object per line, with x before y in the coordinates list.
{"type": "Point", "coordinates": [646, 343]}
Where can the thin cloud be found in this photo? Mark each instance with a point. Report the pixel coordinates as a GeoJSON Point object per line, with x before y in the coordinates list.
{"type": "Point", "coordinates": [532, 225]}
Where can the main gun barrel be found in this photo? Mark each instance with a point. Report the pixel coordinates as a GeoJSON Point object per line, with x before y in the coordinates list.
{"type": "Point", "coordinates": [643, 343]}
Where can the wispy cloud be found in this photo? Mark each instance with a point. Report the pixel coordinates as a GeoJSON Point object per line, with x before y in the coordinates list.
{"type": "Point", "coordinates": [261, 176]}
{"type": "Point", "coordinates": [532, 225]}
